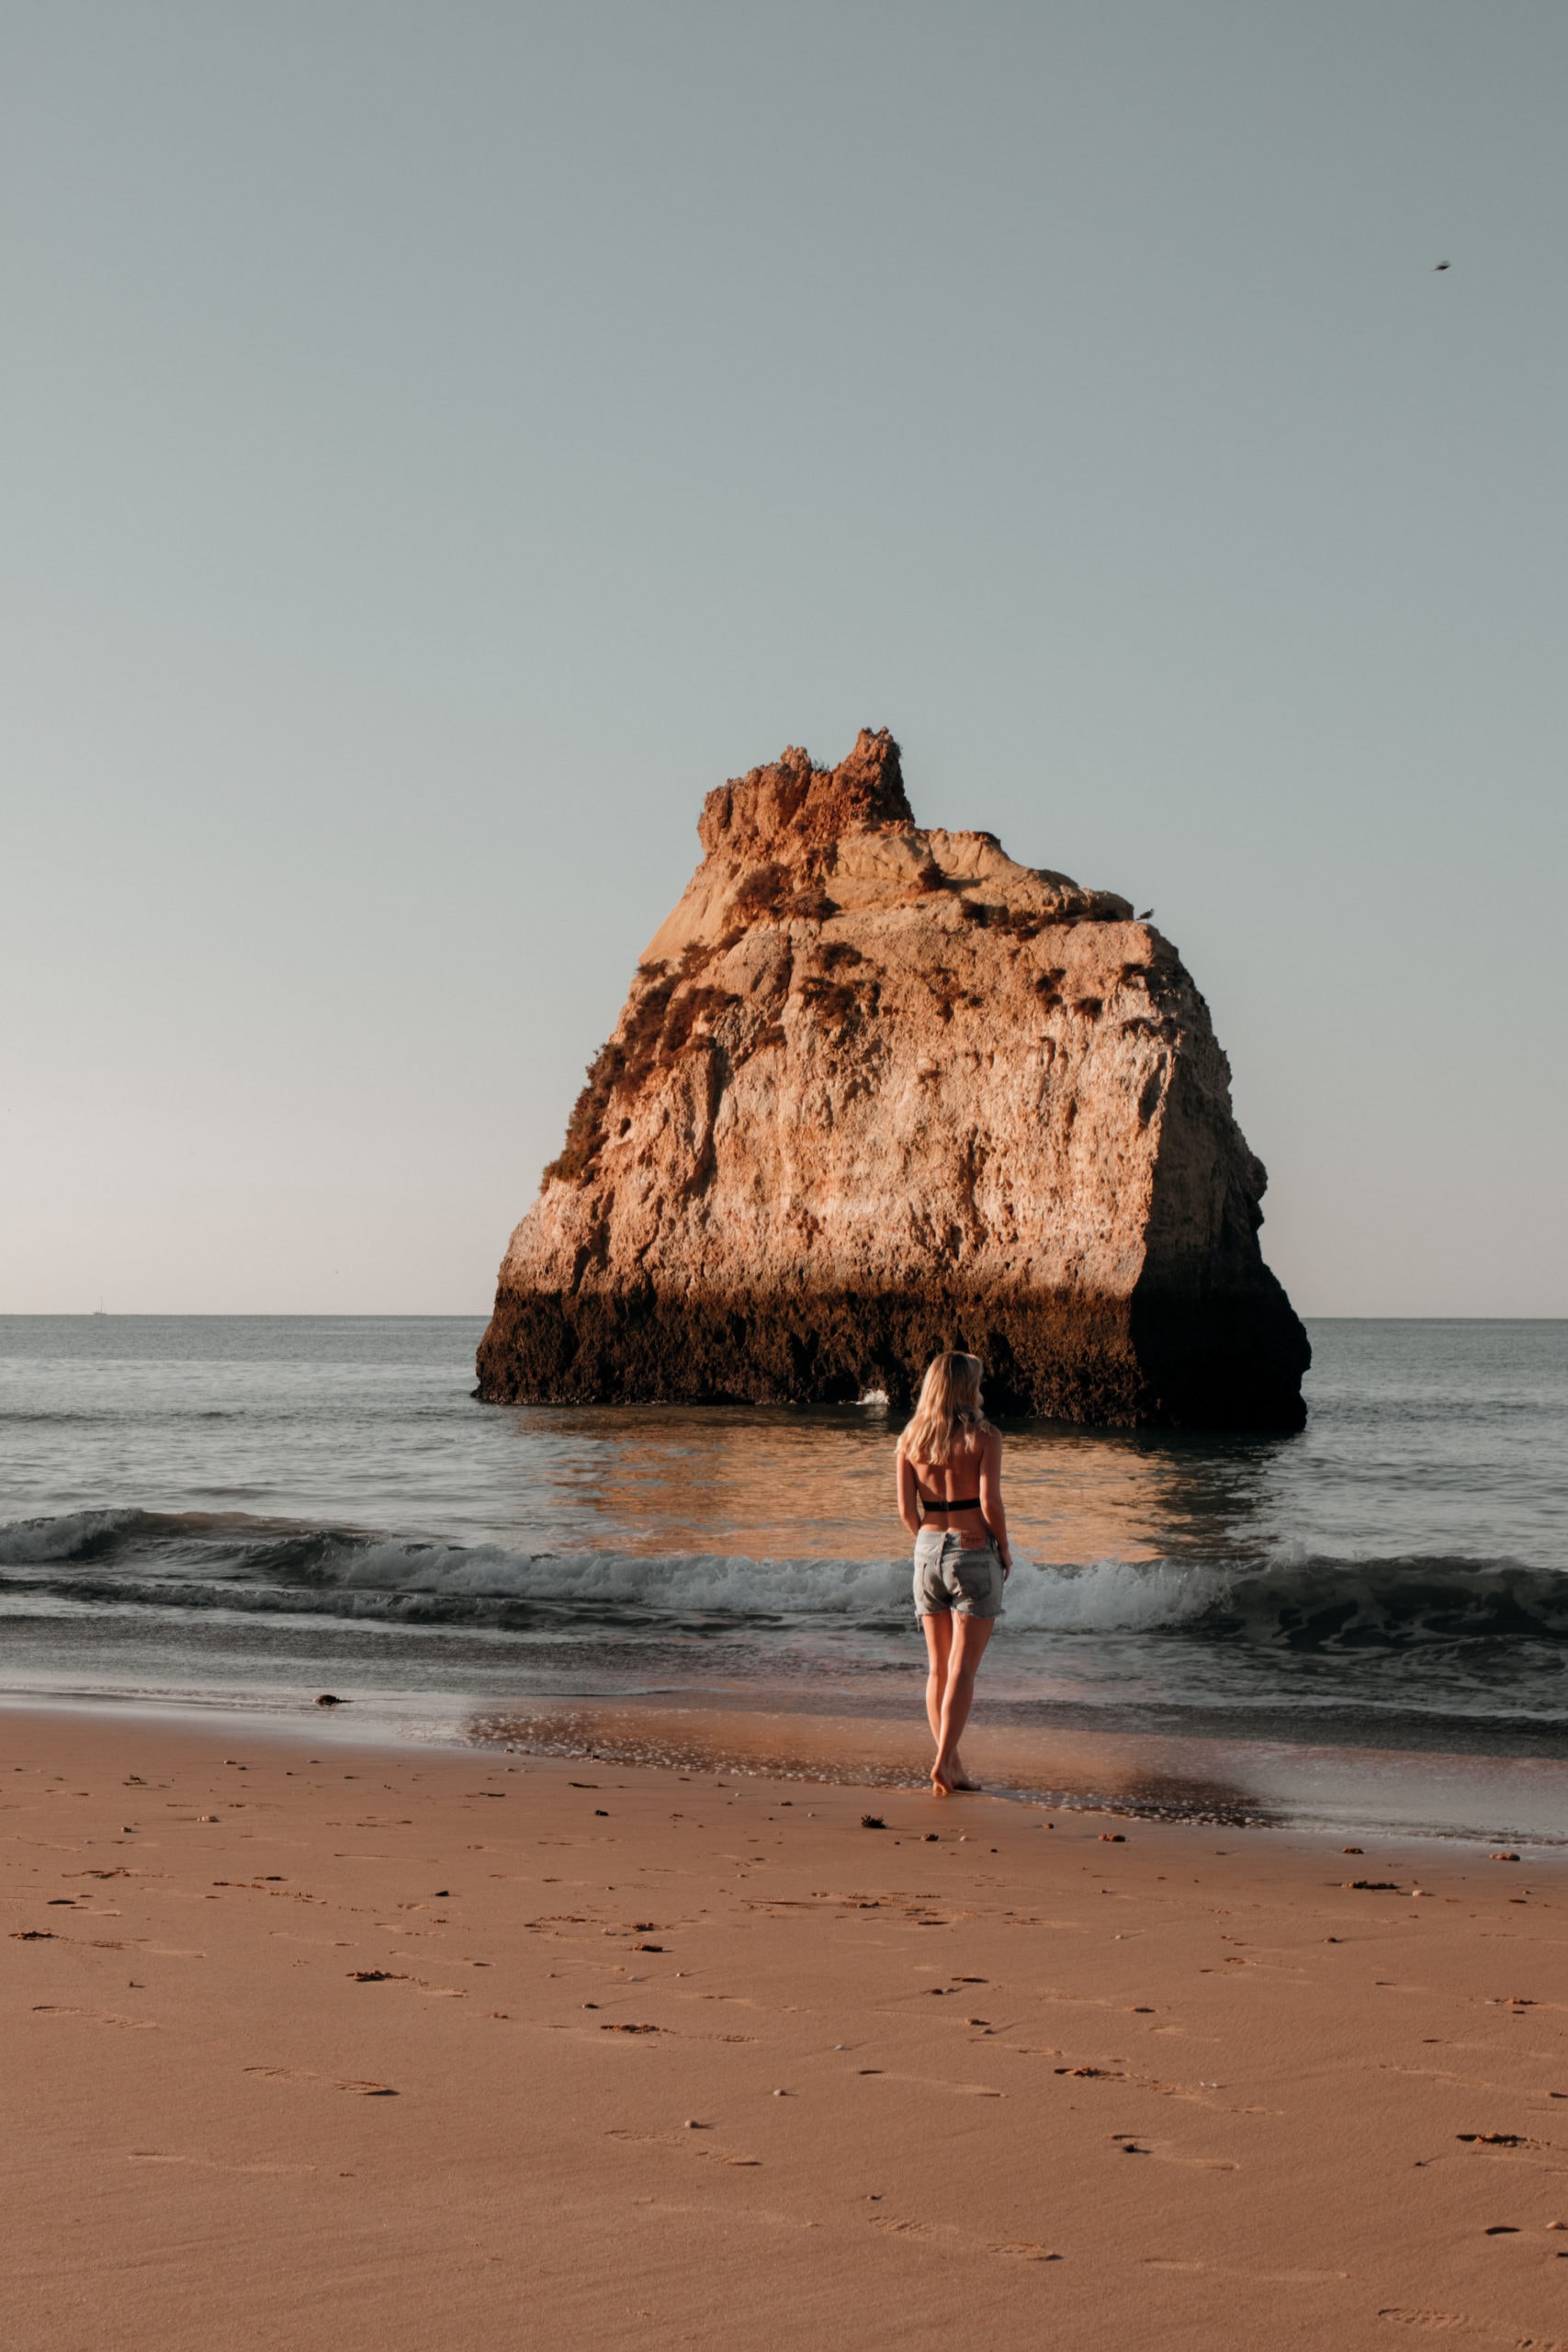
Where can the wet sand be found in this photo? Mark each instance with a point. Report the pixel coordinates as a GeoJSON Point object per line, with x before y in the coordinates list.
{"type": "Point", "coordinates": [1415, 1793]}
{"type": "Point", "coordinates": [399, 2048]}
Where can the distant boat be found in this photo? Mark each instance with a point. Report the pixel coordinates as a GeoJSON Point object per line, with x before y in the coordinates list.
{"type": "Point", "coordinates": [100, 1308]}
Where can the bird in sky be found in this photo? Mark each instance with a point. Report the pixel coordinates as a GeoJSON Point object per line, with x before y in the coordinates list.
{"type": "Point", "coordinates": [1442, 265]}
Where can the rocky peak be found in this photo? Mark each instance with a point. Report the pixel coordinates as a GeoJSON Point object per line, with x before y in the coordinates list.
{"type": "Point", "coordinates": [790, 807]}
{"type": "Point", "coordinates": [792, 843]}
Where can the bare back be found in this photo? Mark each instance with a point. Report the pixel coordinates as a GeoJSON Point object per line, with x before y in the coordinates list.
{"type": "Point", "coordinates": [963, 1494]}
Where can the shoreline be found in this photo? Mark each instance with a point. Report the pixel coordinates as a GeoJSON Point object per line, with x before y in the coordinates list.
{"type": "Point", "coordinates": [343, 2045]}
{"type": "Point", "coordinates": [1311, 1787]}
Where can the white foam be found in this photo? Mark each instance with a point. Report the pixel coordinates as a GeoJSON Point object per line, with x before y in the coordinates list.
{"type": "Point", "coordinates": [243, 1563]}
{"type": "Point", "coordinates": [1105, 1596]}
{"type": "Point", "coordinates": [1110, 1596]}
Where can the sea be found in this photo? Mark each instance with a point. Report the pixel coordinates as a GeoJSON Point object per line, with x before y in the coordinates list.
{"type": "Point", "coordinates": [1363, 1625]}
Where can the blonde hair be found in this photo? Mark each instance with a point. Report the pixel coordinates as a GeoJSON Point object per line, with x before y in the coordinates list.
{"type": "Point", "coordinates": [949, 1407]}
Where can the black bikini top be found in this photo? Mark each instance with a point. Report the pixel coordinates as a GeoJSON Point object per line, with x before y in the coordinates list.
{"type": "Point", "coordinates": [959, 1502]}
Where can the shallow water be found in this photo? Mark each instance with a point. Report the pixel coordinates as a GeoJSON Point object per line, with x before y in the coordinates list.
{"type": "Point", "coordinates": [243, 1511]}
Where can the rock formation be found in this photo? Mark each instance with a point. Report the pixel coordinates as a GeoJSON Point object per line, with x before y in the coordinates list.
{"type": "Point", "coordinates": [878, 1091]}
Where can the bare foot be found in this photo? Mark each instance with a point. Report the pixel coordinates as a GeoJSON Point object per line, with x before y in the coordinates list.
{"type": "Point", "coordinates": [940, 1785]}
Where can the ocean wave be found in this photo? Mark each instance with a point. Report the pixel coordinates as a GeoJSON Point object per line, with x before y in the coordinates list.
{"type": "Point", "coordinates": [100, 1534]}
{"type": "Point", "coordinates": [75, 1535]}
{"type": "Point", "coordinates": [196, 1560]}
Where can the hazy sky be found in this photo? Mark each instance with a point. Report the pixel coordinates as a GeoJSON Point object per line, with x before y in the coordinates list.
{"type": "Point", "coordinates": [440, 443]}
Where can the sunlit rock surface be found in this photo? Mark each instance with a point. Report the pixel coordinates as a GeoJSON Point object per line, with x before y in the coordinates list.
{"type": "Point", "coordinates": [877, 1091]}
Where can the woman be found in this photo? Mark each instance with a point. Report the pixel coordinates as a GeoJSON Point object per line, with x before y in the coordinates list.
{"type": "Point", "coordinates": [950, 1468]}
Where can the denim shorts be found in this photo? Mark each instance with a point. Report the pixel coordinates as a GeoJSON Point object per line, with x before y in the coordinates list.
{"type": "Point", "coordinates": [950, 1577]}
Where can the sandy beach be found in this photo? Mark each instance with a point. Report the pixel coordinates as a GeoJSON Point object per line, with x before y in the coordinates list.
{"type": "Point", "coordinates": [414, 2049]}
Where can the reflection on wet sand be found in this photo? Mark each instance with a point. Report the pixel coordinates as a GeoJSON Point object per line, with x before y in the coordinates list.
{"type": "Point", "coordinates": [818, 1485]}
{"type": "Point", "coordinates": [1231, 1783]}
{"type": "Point", "coordinates": [1147, 1779]}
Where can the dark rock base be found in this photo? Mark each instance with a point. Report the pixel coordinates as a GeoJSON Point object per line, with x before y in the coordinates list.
{"type": "Point", "coordinates": [1227, 1362]}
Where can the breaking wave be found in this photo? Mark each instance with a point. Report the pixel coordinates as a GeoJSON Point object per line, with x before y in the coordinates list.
{"type": "Point", "coordinates": [134, 1559]}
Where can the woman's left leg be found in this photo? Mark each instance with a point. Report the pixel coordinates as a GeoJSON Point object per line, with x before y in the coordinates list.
{"type": "Point", "coordinates": [966, 1648]}
{"type": "Point", "coordinates": [938, 1628]}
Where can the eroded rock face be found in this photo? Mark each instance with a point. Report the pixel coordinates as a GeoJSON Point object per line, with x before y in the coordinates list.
{"type": "Point", "coordinates": [878, 1091]}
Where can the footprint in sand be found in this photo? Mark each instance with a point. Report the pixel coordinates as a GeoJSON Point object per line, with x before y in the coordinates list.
{"type": "Point", "coordinates": [210, 2164]}
{"type": "Point", "coordinates": [98, 2017]}
{"type": "Point", "coordinates": [952, 2240]}
{"type": "Point", "coordinates": [935, 2083]}
{"type": "Point", "coordinates": [687, 2147]}
{"type": "Point", "coordinates": [332, 2082]}
{"type": "Point", "coordinates": [1254, 2277]}
{"type": "Point", "coordinates": [1451, 2322]}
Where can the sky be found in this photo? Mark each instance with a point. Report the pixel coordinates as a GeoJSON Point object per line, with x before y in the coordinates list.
{"type": "Point", "coordinates": [438, 444]}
